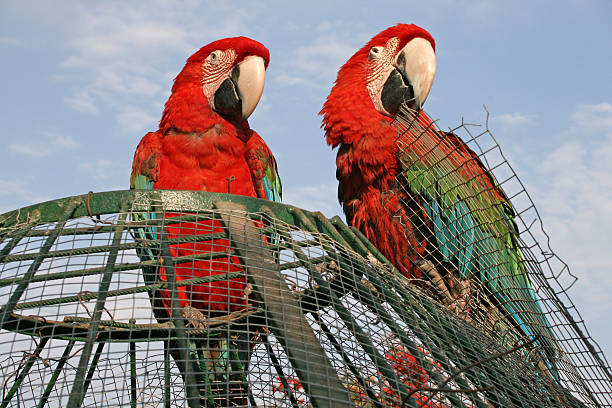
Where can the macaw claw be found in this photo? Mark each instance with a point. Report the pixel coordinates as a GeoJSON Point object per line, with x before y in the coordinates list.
{"type": "Point", "coordinates": [454, 295]}
{"type": "Point", "coordinates": [194, 317]}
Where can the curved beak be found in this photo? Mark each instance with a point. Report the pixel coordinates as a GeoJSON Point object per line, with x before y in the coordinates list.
{"type": "Point", "coordinates": [238, 95]}
{"type": "Point", "coordinates": [249, 77]}
{"type": "Point", "coordinates": [416, 62]}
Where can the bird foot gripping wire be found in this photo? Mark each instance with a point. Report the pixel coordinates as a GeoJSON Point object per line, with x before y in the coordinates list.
{"type": "Point", "coordinates": [454, 295]}
{"type": "Point", "coordinates": [461, 291]}
{"type": "Point", "coordinates": [194, 317]}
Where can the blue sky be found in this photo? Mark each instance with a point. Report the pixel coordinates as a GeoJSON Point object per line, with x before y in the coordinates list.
{"type": "Point", "coordinates": [84, 81]}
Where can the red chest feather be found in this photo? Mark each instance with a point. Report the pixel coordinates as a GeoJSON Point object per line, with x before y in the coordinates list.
{"type": "Point", "coordinates": [205, 162]}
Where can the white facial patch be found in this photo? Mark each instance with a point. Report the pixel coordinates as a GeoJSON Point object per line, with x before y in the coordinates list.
{"type": "Point", "coordinates": [215, 69]}
{"type": "Point", "coordinates": [379, 66]}
{"type": "Point", "coordinates": [416, 62]}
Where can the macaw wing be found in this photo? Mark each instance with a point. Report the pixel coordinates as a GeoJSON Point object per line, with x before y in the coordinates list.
{"type": "Point", "coordinates": [145, 171]}
{"type": "Point", "coordinates": [271, 181]}
{"type": "Point", "coordinates": [264, 170]}
{"type": "Point", "coordinates": [145, 167]}
{"type": "Point", "coordinates": [473, 223]}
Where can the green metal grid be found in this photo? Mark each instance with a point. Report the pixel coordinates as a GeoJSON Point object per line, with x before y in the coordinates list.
{"type": "Point", "coordinates": [335, 323]}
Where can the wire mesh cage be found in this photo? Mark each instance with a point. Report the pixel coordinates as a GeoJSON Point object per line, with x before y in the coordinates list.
{"type": "Point", "coordinates": [460, 199]}
{"type": "Point", "coordinates": [173, 299]}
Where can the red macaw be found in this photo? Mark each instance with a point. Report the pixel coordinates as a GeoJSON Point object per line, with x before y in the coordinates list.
{"type": "Point", "coordinates": [431, 207]}
{"type": "Point", "coordinates": [204, 143]}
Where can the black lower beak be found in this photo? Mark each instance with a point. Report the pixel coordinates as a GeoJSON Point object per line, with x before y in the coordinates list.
{"type": "Point", "coordinates": [396, 90]}
{"type": "Point", "coordinates": [227, 101]}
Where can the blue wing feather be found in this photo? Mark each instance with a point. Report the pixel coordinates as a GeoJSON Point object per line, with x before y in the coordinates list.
{"type": "Point", "coordinates": [144, 174]}
{"type": "Point", "coordinates": [272, 187]}
{"type": "Point", "coordinates": [475, 230]}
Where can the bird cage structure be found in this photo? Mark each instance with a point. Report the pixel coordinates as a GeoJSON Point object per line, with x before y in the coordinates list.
{"type": "Point", "coordinates": [325, 319]}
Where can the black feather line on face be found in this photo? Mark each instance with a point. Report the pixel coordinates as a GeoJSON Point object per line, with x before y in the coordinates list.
{"type": "Point", "coordinates": [227, 100]}
{"type": "Point", "coordinates": [396, 90]}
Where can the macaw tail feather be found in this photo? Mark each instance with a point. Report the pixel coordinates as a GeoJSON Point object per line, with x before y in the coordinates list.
{"type": "Point", "coordinates": [225, 364]}
{"type": "Point", "coordinates": [470, 227]}
{"type": "Point", "coordinates": [219, 363]}
{"type": "Point", "coordinates": [219, 366]}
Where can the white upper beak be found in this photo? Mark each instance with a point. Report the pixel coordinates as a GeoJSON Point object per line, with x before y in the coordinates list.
{"type": "Point", "coordinates": [418, 61]}
{"type": "Point", "coordinates": [250, 83]}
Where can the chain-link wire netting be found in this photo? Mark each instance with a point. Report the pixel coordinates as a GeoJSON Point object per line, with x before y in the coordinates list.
{"type": "Point", "coordinates": [477, 245]}
{"type": "Point", "coordinates": [173, 299]}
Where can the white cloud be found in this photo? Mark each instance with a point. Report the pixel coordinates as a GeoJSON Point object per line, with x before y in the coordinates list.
{"type": "Point", "coordinates": [81, 100]}
{"type": "Point", "coordinates": [514, 119]}
{"type": "Point", "coordinates": [325, 56]}
{"type": "Point", "coordinates": [100, 169]}
{"type": "Point", "coordinates": [9, 41]}
{"type": "Point", "coordinates": [119, 58]}
{"type": "Point", "coordinates": [18, 190]}
{"type": "Point", "coordinates": [483, 11]}
{"type": "Point", "coordinates": [48, 144]}
{"type": "Point", "coordinates": [34, 151]}
{"type": "Point", "coordinates": [290, 80]}
{"type": "Point", "coordinates": [316, 64]}
{"type": "Point", "coordinates": [64, 142]}
{"type": "Point", "coordinates": [597, 117]}
{"type": "Point", "coordinates": [134, 120]}
{"type": "Point", "coordinates": [574, 195]}
{"type": "Point", "coordinates": [120, 54]}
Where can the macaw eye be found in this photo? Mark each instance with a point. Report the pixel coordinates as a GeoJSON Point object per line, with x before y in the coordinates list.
{"type": "Point", "coordinates": [375, 52]}
{"type": "Point", "coordinates": [214, 57]}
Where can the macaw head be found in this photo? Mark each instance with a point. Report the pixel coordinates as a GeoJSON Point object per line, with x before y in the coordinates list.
{"type": "Point", "coordinates": [222, 79]}
{"type": "Point", "coordinates": [396, 65]}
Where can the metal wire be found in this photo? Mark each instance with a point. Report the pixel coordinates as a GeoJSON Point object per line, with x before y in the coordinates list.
{"type": "Point", "coordinates": [174, 299]}
{"type": "Point", "coordinates": [434, 163]}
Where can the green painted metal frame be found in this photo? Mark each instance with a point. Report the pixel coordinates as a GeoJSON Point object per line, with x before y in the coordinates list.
{"type": "Point", "coordinates": [412, 307]}
{"type": "Point", "coordinates": [282, 312]}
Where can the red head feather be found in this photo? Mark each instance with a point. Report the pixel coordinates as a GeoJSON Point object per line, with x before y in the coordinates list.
{"type": "Point", "coordinates": [349, 112]}
{"type": "Point", "coordinates": [188, 109]}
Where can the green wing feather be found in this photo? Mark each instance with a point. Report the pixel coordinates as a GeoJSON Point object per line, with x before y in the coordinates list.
{"type": "Point", "coordinates": [145, 170]}
{"type": "Point", "coordinates": [264, 170]}
{"type": "Point", "coordinates": [474, 226]}
{"type": "Point", "coordinates": [216, 361]}
{"type": "Point", "coordinates": [272, 182]}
